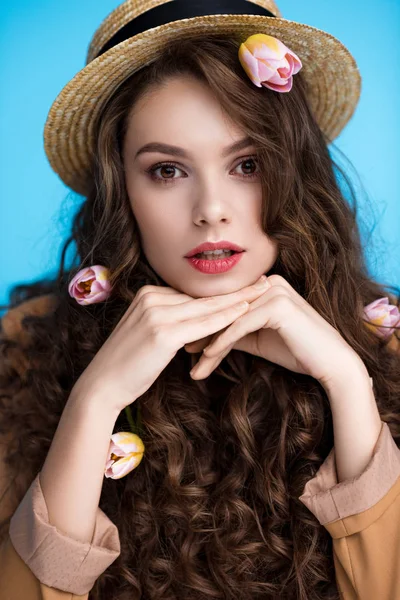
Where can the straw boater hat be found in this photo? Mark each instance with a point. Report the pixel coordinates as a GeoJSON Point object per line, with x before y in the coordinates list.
{"type": "Point", "coordinates": [134, 35]}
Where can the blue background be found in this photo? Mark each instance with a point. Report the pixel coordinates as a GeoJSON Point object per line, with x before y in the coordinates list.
{"type": "Point", "coordinates": [43, 45]}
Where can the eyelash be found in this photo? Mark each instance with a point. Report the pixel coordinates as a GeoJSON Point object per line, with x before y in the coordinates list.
{"type": "Point", "coordinates": [154, 168]}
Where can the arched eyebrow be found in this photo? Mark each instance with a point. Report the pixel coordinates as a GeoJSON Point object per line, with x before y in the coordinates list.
{"type": "Point", "coordinates": [177, 151]}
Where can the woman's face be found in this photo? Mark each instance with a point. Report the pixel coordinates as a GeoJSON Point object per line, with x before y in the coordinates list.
{"type": "Point", "coordinates": [206, 195]}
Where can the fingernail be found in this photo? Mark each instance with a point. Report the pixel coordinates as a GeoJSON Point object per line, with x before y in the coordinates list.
{"type": "Point", "coordinates": [262, 283]}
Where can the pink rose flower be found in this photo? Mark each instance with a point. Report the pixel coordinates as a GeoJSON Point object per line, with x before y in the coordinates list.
{"type": "Point", "coordinates": [268, 62]}
{"type": "Point", "coordinates": [381, 313]}
{"type": "Point", "coordinates": [125, 453]}
{"type": "Point", "coordinates": [90, 285]}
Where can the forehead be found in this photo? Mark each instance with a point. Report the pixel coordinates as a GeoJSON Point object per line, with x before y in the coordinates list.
{"type": "Point", "coordinates": [176, 109]}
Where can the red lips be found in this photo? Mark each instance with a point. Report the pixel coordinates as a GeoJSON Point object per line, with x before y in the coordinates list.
{"type": "Point", "coordinates": [222, 245]}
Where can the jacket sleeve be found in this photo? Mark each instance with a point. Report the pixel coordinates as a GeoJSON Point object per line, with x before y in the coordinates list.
{"type": "Point", "coordinates": [47, 563]}
{"type": "Point", "coordinates": [38, 561]}
{"type": "Point", "coordinates": [363, 517]}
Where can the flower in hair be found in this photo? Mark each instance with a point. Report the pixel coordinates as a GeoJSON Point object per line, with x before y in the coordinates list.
{"type": "Point", "coordinates": [382, 317]}
{"type": "Point", "coordinates": [126, 448]}
{"type": "Point", "coordinates": [268, 62]}
{"type": "Point", "coordinates": [124, 454]}
{"type": "Point", "coordinates": [90, 285]}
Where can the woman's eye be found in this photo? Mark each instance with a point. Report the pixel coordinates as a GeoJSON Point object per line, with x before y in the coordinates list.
{"type": "Point", "coordinates": [248, 161]}
{"type": "Point", "coordinates": [165, 169]}
{"type": "Point", "coordinates": [168, 170]}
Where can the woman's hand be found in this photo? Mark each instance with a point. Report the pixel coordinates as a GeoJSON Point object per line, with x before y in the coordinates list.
{"type": "Point", "coordinates": [157, 324]}
{"type": "Point", "coordinates": [283, 328]}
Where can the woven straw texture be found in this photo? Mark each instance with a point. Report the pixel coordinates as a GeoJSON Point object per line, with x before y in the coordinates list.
{"type": "Point", "coordinates": [328, 67]}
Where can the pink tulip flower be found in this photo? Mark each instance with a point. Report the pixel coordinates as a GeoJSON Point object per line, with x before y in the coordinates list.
{"type": "Point", "coordinates": [90, 285]}
{"type": "Point", "coordinates": [124, 454]}
{"type": "Point", "coordinates": [268, 62]}
{"type": "Point", "coordinates": [381, 313]}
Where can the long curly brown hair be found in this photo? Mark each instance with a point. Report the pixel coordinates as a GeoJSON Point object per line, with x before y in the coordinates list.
{"type": "Point", "coordinates": [213, 510]}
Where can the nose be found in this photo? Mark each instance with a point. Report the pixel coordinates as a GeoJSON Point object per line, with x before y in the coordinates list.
{"type": "Point", "coordinates": [212, 203]}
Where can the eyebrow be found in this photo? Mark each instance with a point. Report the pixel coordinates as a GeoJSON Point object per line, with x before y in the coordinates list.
{"type": "Point", "coordinates": [176, 151]}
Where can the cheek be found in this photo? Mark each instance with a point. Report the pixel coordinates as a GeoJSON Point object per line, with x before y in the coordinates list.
{"type": "Point", "coordinates": [145, 211]}
{"type": "Point", "coordinates": [159, 229]}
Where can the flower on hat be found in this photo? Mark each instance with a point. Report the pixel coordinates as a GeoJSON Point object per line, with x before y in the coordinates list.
{"type": "Point", "coordinates": [90, 285]}
{"type": "Point", "coordinates": [268, 62]}
{"type": "Point", "coordinates": [382, 317]}
{"type": "Point", "coordinates": [124, 454]}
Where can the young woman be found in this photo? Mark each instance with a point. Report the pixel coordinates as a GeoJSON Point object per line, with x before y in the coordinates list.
{"type": "Point", "coordinates": [272, 470]}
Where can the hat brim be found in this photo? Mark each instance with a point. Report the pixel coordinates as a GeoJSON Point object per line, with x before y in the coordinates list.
{"type": "Point", "coordinates": [331, 73]}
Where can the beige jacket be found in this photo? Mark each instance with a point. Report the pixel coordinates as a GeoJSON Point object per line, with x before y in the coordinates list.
{"type": "Point", "coordinates": [39, 562]}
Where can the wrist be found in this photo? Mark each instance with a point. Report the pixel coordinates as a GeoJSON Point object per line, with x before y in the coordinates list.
{"type": "Point", "coordinates": [353, 373]}
{"type": "Point", "coordinates": [96, 401]}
